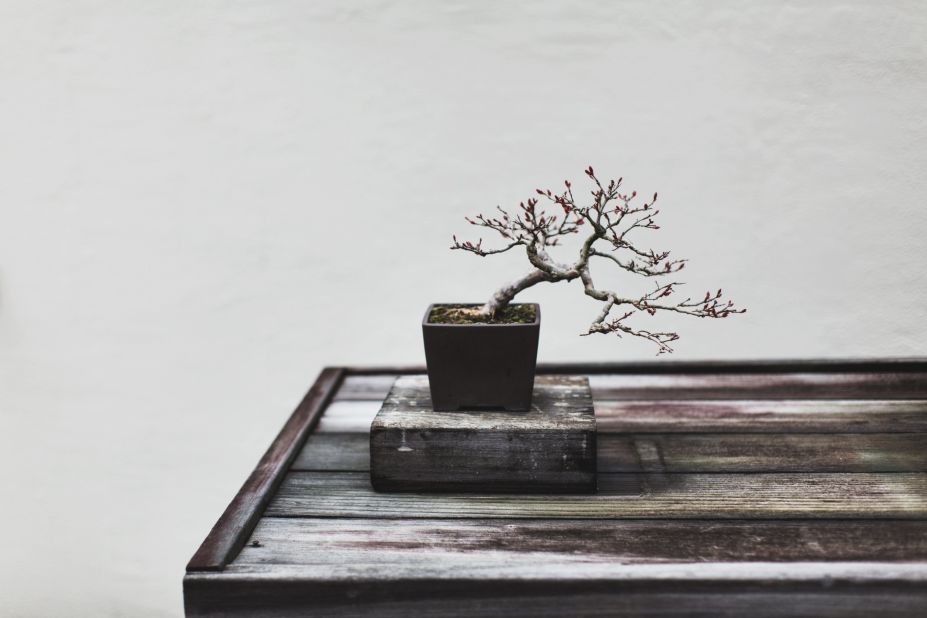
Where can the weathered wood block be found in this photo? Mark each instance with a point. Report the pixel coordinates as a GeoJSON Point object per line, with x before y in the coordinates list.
{"type": "Point", "coordinates": [548, 449]}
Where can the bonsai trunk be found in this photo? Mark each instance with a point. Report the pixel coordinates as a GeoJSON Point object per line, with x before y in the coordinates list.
{"type": "Point", "coordinates": [504, 295]}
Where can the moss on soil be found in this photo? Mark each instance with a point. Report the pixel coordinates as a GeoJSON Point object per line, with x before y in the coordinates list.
{"type": "Point", "coordinates": [511, 314]}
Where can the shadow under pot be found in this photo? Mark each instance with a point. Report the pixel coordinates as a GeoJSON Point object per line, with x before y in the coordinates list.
{"type": "Point", "coordinates": [481, 365]}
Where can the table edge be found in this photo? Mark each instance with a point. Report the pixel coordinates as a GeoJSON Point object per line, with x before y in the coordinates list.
{"type": "Point", "coordinates": [240, 517]}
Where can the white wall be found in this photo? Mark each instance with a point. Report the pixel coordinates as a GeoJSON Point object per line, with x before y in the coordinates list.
{"type": "Point", "coordinates": [204, 203]}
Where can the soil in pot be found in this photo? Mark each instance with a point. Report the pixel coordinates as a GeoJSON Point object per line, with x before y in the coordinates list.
{"type": "Point", "coordinates": [468, 314]}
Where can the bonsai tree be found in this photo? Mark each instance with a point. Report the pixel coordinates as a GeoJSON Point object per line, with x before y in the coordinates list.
{"type": "Point", "coordinates": [608, 223]}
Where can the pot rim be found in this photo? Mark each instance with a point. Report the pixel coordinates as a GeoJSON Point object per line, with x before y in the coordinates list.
{"type": "Point", "coordinates": [537, 318]}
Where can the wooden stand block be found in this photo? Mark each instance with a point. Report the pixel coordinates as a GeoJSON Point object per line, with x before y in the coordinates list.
{"type": "Point", "coordinates": [548, 449]}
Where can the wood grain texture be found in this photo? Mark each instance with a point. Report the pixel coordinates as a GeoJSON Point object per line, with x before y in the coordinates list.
{"type": "Point", "coordinates": [667, 496]}
{"type": "Point", "coordinates": [559, 403]}
{"type": "Point", "coordinates": [366, 387]}
{"type": "Point", "coordinates": [733, 385]}
{"type": "Point", "coordinates": [333, 548]}
{"type": "Point", "coordinates": [870, 385]}
{"type": "Point", "coordinates": [696, 416]}
{"type": "Point", "coordinates": [550, 448]}
{"type": "Point", "coordinates": [750, 416]}
{"type": "Point", "coordinates": [334, 452]}
{"type": "Point", "coordinates": [348, 417]}
{"type": "Point", "coordinates": [689, 452]}
{"type": "Point", "coordinates": [230, 532]}
{"type": "Point", "coordinates": [732, 489]}
{"type": "Point", "coordinates": [848, 595]}
{"type": "Point", "coordinates": [763, 452]}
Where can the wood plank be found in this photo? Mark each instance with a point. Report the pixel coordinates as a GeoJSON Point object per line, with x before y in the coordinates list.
{"type": "Point", "coordinates": [873, 385]}
{"type": "Point", "coordinates": [348, 417]}
{"type": "Point", "coordinates": [507, 548]}
{"type": "Point", "coordinates": [763, 453]}
{"type": "Point", "coordinates": [690, 453]}
{"type": "Point", "coordinates": [230, 532]}
{"type": "Point", "coordinates": [334, 452]}
{"type": "Point", "coordinates": [801, 416]}
{"type": "Point", "coordinates": [366, 387]}
{"type": "Point", "coordinates": [828, 591]}
{"type": "Point", "coordinates": [886, 384]}
{"type": "Point", "coordinates": [655, 496]}
{"type": "Point", "coordinates": [806, 416]}
{"type": "Point", "coordinates": [907, 572]}
{"type": "Point", "coordinates": [568, 394]}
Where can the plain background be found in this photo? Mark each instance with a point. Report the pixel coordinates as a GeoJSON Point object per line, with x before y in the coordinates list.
{"type": "Point", "coordinates": [203, 203]}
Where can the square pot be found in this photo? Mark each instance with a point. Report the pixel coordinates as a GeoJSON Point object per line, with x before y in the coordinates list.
{"type": "Point", "coordinates": [481, 365]}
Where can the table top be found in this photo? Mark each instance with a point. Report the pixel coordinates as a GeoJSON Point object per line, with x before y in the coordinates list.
{"type": "Point", "coordinates": [768, 488]}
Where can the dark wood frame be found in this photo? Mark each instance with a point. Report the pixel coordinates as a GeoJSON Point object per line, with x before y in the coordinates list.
{"type": "Point", "coordinates": [236, 524]}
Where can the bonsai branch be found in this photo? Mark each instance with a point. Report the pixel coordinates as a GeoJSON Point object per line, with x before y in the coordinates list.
{"type": "Point", "coordinates": [609, 219]}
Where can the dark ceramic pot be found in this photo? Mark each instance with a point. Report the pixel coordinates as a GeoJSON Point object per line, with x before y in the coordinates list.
{"type": "Point", "coordinates": [481, 365]}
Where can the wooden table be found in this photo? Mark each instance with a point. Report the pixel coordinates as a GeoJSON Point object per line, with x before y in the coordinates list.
{"type": "Point", "coordinates": [726, 489]}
